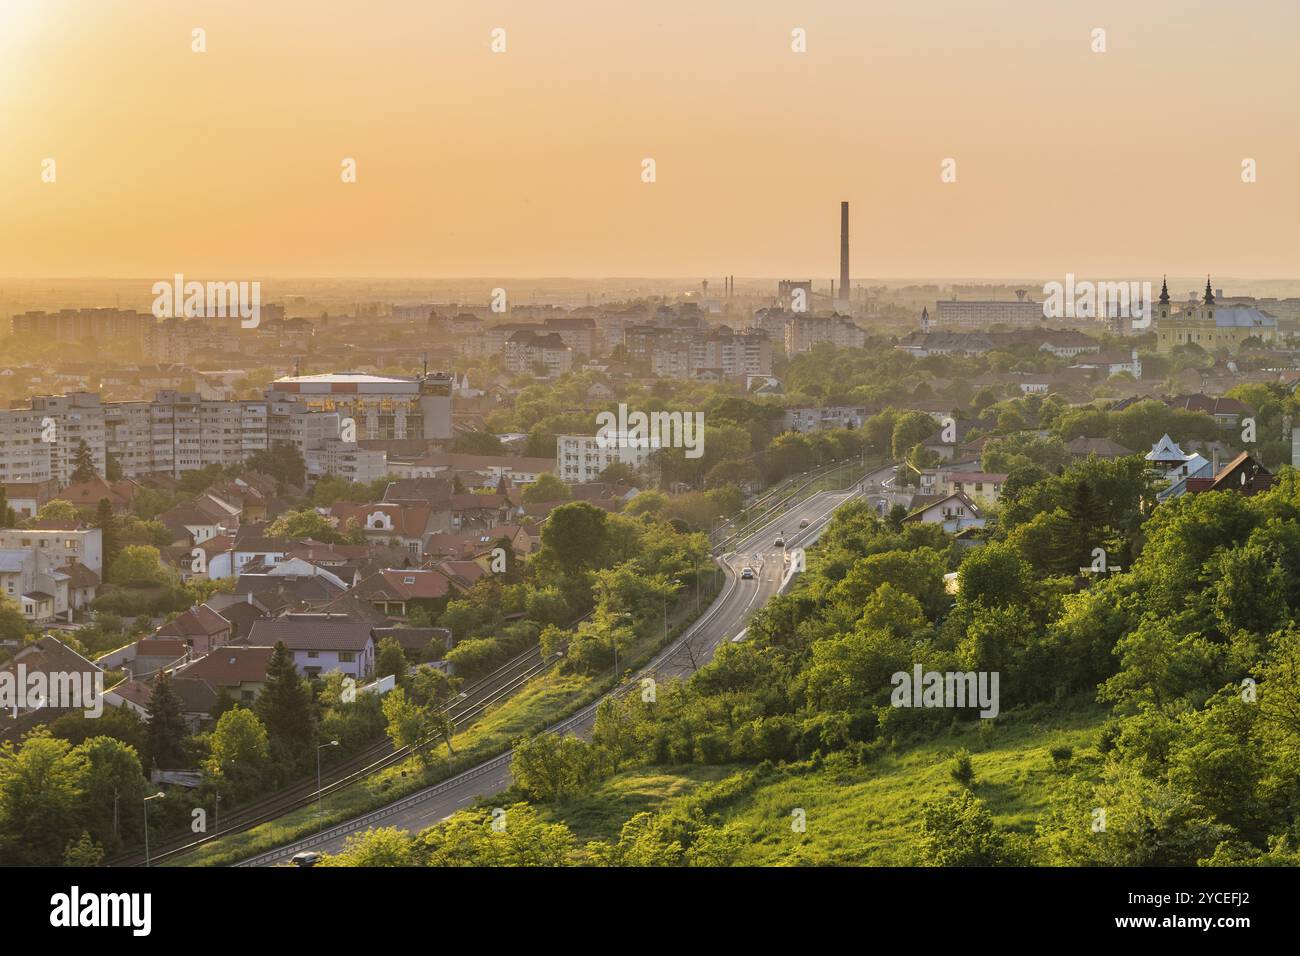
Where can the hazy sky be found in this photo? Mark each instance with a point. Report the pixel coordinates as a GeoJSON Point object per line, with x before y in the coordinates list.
{"type": "Point", "coordinates": [226, 164]}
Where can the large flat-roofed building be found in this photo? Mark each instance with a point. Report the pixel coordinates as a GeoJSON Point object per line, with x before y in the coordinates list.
{"type": "Point", "coordinates": [109, 327]}
{"type": "Point", "coordinates": [802, 332]}
{"type": "Point", "coordinates": [383, 407]}
{"type": "Point", "coordinates": [1021, 312]}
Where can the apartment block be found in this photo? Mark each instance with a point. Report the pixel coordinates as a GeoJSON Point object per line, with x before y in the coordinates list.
{"type": "Point", "coordinates": [581, 458]}
{"type": "Point", "coordinates": [802, 332]}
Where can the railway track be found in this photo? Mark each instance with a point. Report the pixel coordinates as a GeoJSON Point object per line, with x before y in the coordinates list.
{"type": "Point", "coordinates": [467, 706]}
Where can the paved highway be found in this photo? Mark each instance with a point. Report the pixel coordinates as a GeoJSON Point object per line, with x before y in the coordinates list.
{"type": "Point", "coordinates": [722, 621]}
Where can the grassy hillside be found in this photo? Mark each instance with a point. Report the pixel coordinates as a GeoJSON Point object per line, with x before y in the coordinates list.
{"type": "Point", "coordinates": [860, 815]}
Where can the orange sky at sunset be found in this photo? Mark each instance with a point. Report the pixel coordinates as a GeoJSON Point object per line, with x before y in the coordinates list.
{"type": "Point", "coordinates": [527, 163]}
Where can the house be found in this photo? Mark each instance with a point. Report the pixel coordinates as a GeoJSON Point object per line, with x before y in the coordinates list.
{"type": "Point", "coordinates": [154, 654]}
{"type": "Point", "coordinates": [226, 555]}
{"type": "Point", "coordinates": [191, 525]}
{"type": "Point", "coordinates": [320, 643]}
{"type": "Point", "coordinates": [982, 486]}
{"type": "Point", "coordinates": [404, 525]}
{"type": "Point", "coordinates": [1225, 411]}
{"type": "Point", "coordinates": [396, 592]}
{"type": "Point", "coordinates": [945, 440]}
{"type": "Point", "coordinates": [60, 542]}
{"type": "Point", "coordinates": [86, 495]}
{"type": "Point", "coordinates": [42, 592]}
{"type": "Point", "coordinates": [482, 511]}
{"type": "Point", "coordinates": [419, 643]}
{"type": "Point", "coordinates": [954, 512]}
{"type": "Point", "coordinates": [1101, 447]}
{"type": "Point", "coordinates": [290, 583]}
{"type": "Point", "coordinates": [1167, 458]}
{"type": "Point", "coordinates": [69, 680]}
{"type": "Point", "coordinates": [1243, 475]}
{"type": "Point", "coordinates": [239, 669]}
{"type": "Point", "coordinates": [197, 698]}
{"type": "Point", "coordinates": [1112, 363]}
{"type": "Point", "coordinates": [200, 628]}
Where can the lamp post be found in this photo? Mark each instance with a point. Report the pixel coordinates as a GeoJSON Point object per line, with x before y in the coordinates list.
{"type": "Point", "coordinates": [320, 796]}
{"type": "Point", "coordinates": [157, 796]}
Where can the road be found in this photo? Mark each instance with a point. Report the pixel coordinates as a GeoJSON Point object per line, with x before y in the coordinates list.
{"type": "Point", "coordinates": [723, 620]}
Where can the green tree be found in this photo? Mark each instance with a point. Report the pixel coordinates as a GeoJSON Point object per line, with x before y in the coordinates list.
{"type": "Point", "coordinates": [390, 659]}
{"type": "Point", "coordinates": [106, 522]}
{"type": "Point", "coordinates": [83, 464]}
{"type": "Point", "coordinates": [168, 732]}
{"type": "Point", "coordinates": [547, 487]}
{"type": "Point", "coordinates": [959, 831]}
{"type": "Point", "coordinates": [138, 565]}
{"type": "Point", "coordinates": [40, 794]}
{"type": "Point", "coordinates": [285, 704]}
{"type": "Point", "coordinates": [111, 778]}
{"type": "Point", "coordinates": [239, 751]}
{"type": "Point", "coordinates": [59, 510]}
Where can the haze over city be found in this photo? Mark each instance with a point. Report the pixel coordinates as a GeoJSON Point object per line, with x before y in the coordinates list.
{"type": "Point", "coordinates": [527, 163]}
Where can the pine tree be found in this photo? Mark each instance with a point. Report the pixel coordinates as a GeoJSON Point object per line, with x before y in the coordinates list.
{"type": "Point", "coordinates": [167, 729]}
{"type": "Point", "coordinates": [107, 524]}
{"type": "Point", "coordinates": [285, 702]}
{"type": "Point", "coordinates": [8, 518]}
{"type": "Point", "coordinates": [83, 464]}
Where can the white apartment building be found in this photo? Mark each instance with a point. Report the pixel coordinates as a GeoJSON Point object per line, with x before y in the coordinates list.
{"type": "Point", "coordinates": [580, 458]}
{"type": "Point", "coordinates": [61, 546]}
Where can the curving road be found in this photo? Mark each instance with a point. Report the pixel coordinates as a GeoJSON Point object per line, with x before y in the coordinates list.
{"type": "Point", "coordinates": [724, 620]}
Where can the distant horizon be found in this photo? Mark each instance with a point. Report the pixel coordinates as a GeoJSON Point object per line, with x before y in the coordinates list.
{"type": "Point", "coordinates": [362, 141]}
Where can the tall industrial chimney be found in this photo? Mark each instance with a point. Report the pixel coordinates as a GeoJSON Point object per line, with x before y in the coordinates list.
{"type": "Point", "coordinates": [844, 254]}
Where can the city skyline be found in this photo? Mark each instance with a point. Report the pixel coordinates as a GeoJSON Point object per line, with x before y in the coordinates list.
{"type": "Point", "coordinates": [528, 163]}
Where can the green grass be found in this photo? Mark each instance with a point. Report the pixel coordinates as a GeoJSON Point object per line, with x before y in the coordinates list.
{"type": "Point", "coordinates": [856, 815]}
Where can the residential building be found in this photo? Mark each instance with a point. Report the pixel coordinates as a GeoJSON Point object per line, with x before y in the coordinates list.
{"type": "Point", "coordinates": [582, 458]}
{"type": "Point", "coordinates": [320, 643]}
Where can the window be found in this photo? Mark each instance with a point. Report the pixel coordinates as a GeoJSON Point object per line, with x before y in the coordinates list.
{"type": "Point", "coordinates": [313, 654]}
{"type": "Point", "coordinates": [347, 657]}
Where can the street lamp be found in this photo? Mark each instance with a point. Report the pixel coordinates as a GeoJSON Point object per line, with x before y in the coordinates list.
{"type": "Point", "coordinates": [320, 796]}
{"type": "Point", "coordinates": [157, 796]}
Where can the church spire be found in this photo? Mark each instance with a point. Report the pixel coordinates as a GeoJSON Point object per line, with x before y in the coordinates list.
{"type": "Point", "coordinates": [1209, 294]}
{"type": "Point", "coordinates": [1164, 290]}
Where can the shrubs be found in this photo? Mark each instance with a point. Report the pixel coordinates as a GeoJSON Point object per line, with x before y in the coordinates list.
{"type": "Point", "coordinates": [962, 770]}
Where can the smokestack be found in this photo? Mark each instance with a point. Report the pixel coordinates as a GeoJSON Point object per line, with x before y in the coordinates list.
{"type": "Point", "coordinates": [844, 251]}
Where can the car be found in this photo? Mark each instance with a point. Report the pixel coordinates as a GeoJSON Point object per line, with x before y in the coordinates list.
{"type": "Point", "coordinates": [779, 542]}
{"type": "Point", "coordinates": [306, 858]}
{"type": "Point", "coordinates": [746, 574]}
{"type": "Point", "coordinates": [803, 523]}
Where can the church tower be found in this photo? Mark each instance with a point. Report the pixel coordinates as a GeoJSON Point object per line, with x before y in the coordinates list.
{"type": "Point", "coordinates": [1162, 304]}
{"type": "Point", "coordinates": [1209, 300]}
